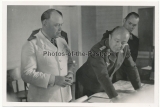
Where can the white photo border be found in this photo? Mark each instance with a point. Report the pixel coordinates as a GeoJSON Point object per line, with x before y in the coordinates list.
{"type": "Point", "coordinates": [80, 3]}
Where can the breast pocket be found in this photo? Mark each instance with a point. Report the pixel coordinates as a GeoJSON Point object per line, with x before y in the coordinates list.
{"type": "Point", "coordinates": [45, 56]}
{"type": "Point", "coordinates": [41, 58]}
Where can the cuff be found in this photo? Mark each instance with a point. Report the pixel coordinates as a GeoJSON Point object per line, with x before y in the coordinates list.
{"type": "Point", "coordinates": [51, 80]}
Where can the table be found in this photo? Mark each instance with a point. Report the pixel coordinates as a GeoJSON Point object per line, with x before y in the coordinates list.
{"type": "Point", "coordinates": [127, 94]}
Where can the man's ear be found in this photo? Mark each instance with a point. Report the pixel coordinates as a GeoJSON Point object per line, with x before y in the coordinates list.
{"type": "Point", "coordinates": [124, 20]}
{"type": "Point", "coordinates": [44, 23]}
{"type": "Point", "coordinates": [110, 37]}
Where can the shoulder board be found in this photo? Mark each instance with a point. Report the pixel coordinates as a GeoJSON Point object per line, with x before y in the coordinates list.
{"type": "Point", "coordinates": [102, 48]}
{"type": "Point", "coordinates": [31, 37]}
{"type": "Point", "coordinates": [62, 37]}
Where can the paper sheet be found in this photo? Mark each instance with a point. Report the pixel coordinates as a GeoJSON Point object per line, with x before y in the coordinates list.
{"type": "Point", "coordinates": [124, 90]}
{"type": "Point", "coordinates": [101, 95]}
{"type": "Point", "coordinates": [147, 68]}
{"type": "Point", "coordinates": [123, 85]}
{"type": "Point", "coordinates": [82, 99]}
{"type": "Point", "coordinates": [98, 100]}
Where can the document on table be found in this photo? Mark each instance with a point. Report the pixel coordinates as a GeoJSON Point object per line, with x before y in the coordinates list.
{"type": "Point", "coordinates": [94, 99]}
{"type": "Point", "coordinates": [123, 85]}
{"type": "Point", "coordinates": [123, 88]}
{"type": "Point", "coordinates": [82, 99]}
{"type": "Point", "coordinates": [100, 97]}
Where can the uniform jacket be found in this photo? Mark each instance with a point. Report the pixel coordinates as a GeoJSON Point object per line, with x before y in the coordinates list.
{"type": "Point", "coordinates": [97, 72]}
{"type": "Point", "coordinates": [133, 44]}
{"type": "Point", "coordinates": [37, 66]}
{"type": "Point", "coordinates": [63, 34]}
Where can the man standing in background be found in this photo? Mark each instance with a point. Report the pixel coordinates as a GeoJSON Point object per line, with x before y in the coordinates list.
{"type": "Point", "coordinates": [49, 76]}
{"type": "Point", "coordinates": [130, 22]}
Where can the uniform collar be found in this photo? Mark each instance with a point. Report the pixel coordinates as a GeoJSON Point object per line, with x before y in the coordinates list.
{"type": "Point", "coordinates": [44, 43]}
{"type": "Point", "coordinates": [110, 53]}
{"type": "Point", "coordinates": [47, 37]}
{"type": "Point", "coordinates": [106, 43]}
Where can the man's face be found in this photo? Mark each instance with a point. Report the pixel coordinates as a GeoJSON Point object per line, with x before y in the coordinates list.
{"type": "Point", "coordinates": [118, 41]}
{"type": "Point", "coordinates": [130, 23]}
{"type": "Point", "coordinates": [54, 24]}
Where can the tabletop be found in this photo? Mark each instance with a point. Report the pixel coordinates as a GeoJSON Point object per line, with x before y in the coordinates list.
{"type": "Point", "coordinates": [126, 93]}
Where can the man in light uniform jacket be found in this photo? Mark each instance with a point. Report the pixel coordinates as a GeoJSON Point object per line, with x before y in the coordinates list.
{"type": "Point", "coordinates": [45, 63]}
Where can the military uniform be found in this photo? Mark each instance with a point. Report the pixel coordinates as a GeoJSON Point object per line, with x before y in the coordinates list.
{"type": "Point", "coordinates": [32, 36]}
{"type": "Point", "coordinates": [96, 73]}
{"type": "Point", "coordinates": [132, 42]}
{"type": "Point", "coordinates": [133, 45]}
{"type": "Point", "coordinates": [37, 68]}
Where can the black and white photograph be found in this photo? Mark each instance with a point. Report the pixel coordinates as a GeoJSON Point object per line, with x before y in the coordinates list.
{"type": "Point", "coordinates": [80, 53]}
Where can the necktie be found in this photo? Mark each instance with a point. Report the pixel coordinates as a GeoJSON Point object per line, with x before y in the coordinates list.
{"type": "Point", "coordinates": [54, 42]}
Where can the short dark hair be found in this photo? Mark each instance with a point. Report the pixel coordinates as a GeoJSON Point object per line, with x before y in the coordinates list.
{"type": "Point", "coordinates": [132, 13]}
{"type": "Point", "coordinates": [47, 14]}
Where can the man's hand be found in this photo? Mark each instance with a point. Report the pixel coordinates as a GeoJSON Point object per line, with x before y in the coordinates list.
{"type": "Point", "coordinates": [117, 99]}
{"type": "Point", "coordinates": [141, 88]}
{"type": "Point", "coordinates": [70, 76]}
{"type": "Point", "coordinates": [62, 81]}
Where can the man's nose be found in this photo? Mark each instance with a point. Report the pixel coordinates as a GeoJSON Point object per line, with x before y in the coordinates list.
{"type": "Point", "coordinates": [132, 26]}
{"type": "Point", "coordinates": [60, 28]}
{"type": "Point", "coordinates": [119, 44]}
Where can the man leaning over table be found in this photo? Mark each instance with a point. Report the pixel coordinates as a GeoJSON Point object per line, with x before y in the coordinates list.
{"type": "Point", "coordinates": [130, 22]}
{"type": "Point", "coordinates": [105, 58]}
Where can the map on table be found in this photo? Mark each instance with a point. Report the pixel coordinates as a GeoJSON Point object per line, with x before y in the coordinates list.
{"type": "Point", "coordinates": [123, 88]}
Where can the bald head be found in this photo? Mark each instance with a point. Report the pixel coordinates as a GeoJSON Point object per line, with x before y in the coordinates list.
{"type": "Point", "coordinates": [56, 17]}
{"type": "Point", "coordinates": [52, 22]}
{"type": "Point", "coordinates": [118, 38]}
{"type": "Point", "coordinates": [120, 31]}
{"type": "Point", "coordinates": [47, 14]}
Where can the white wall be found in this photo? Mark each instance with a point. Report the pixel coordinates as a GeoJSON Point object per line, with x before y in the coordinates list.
{"type": "Point", "coordinates": [21, 21]}
{"type": "Point", "coordinates": [107, 18]}
{"type": "Point", "coordinates": [88, 28]}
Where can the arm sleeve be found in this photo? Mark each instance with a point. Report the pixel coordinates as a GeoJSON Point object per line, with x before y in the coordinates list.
{"type": "Point", "coordinates": [134, 53]}
{"type": "Point", "coordinates": [70, 63]}
{"type": "Point", "coordinates": [100, 70]}
{"type": "Point", "coordinates": [29, 65]}
{"type": "Point", "coordinates": [132, 70]}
